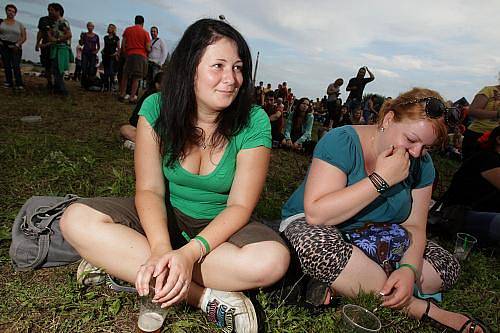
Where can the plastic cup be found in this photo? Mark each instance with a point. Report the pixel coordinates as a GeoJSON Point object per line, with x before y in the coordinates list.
{"type": "Point", "coordinates": [151, 315]}
{"type": "Point", "coordinates": [358, 319]}
{"type": "Point", "coordinates": [463, 245]}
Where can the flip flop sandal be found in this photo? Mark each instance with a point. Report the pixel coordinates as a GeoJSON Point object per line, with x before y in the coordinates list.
{"type": "Point", "coordinates": [89, 275]}
{"type": "Point", "coordinates": [318, 292]}
{"type": "Point", "coordinates": [474, 323]}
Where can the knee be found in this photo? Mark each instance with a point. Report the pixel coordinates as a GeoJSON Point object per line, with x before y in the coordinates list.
{"type": "Point", "coordinates": [269, 267]}
{"type": "Point", "coordinates": [76, 220]}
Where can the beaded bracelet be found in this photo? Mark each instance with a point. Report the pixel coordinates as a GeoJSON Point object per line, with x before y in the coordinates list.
{"type": "Point", "coordinates": [202, 250]}
{"type": "Point", "coordinates": [380, 184]}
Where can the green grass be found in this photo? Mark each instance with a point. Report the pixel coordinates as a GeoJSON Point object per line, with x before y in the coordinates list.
{"type": "Point", "coordinates": [76, 149]}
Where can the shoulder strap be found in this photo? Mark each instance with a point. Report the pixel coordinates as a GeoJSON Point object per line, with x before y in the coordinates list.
{"type": "Point", "coordinates": [154, 41]}
{"type": "Point", "coordinates": [38, 224]}
{"type": "Point", "coordinates": [42, 217]}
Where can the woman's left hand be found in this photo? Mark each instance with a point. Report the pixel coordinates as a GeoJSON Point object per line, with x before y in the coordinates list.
{"type": "Point", "coordinates": [180, 269]}
{"type": "Point", "coordinates": [398, 289]}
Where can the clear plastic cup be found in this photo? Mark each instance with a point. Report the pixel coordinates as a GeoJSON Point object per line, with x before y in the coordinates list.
{"type": "Point", "coordinates": [463, 245]}
{"type": "Point", "coordinates": [358, 319]}
{"type": "Point", "coordinates": [151, 315]}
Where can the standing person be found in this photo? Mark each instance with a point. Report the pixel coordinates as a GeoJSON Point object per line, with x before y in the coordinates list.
{"type": "Point", "coordinates": [298, 130]}
{"type": "Point", "coordinates": [60, 50]}
{"type": "Point", "coordinates": [485, 109]}
{"type": "Point", "coordinates": [379, 175]}
{"type": "Point", "coordinates": [91, 47]}
{"type": "Point", "coordinates": [157, 56]}
{"type": "Point", "coordinates": [77, 75]}
{"type": "Point", "coordinates": [197, 237]}
{"type": "Point", "coordinates": [333, 103]}
{"type": "Point", "coordinates": [45, 24]}
{"type": "Point", "coordinates": [136, 45]}
{"type": "Point", "coordinates": [12, 37]}
{"type": "Point", "coordinates": [356, 86]}
{"type": "Point", "coordinates": [110, 57]}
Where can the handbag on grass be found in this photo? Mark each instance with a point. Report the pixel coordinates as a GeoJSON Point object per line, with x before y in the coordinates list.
{"type": "Point", "coordinates": [37, 241]}
{"type": "Point", "coordinates": [384, 243]}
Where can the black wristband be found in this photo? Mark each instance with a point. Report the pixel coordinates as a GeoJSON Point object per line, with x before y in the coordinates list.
{"type": "Point", "coordinates": [380, 184]}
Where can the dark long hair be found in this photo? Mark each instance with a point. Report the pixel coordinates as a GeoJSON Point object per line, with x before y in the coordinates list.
{"type": "Point", "coordinates": [295, 125]}
{"type": "Point", "coordinates": [176, 126]}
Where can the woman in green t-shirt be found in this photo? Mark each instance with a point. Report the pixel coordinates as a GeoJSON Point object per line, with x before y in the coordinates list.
{"type": "Point", "coordinates": [192, 235]}
{"type": "Point", "coordinates": [378, 174]}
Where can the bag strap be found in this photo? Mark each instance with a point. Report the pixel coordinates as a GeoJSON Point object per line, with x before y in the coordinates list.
{"type": "Point", "coordinates": [42, 230]}
{"type": "Point", "coordinates": [43, 250]}
{"type": "Point", "coordinates": [154, 41]}
{"type": "Point", "coordinates": [43, 216]}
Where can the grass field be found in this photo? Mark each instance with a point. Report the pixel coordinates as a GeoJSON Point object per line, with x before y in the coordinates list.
{"type": "Point", "coordinates": [77, 149]}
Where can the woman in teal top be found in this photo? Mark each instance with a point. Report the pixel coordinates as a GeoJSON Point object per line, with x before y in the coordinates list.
{"type": "Point", "coordinates": [201, 158]}
{"type": "Point", "coordinates": [299, 125]}
{"type": "Point", "coordinates": [381, 174]}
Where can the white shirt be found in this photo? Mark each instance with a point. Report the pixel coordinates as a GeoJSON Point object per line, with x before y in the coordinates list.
{"type": "Point", "coordinates": [158, 52]}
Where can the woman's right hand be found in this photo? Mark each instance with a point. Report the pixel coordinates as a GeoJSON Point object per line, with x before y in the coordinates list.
{"type": "Point", "coordinates": [393, 165]}
{"type": "Point", "coordinates": [145, 272]}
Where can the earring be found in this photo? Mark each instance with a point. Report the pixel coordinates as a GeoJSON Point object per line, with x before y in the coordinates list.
{"type": "Point", "coordinates": [382, 129]}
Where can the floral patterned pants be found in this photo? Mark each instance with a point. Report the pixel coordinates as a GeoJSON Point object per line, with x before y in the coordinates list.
{"type": "Point", "coordinates": [323, 253]}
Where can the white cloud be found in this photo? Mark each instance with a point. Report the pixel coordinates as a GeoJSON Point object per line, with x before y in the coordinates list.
{"type": "Point", "coordinates": [386, 73]}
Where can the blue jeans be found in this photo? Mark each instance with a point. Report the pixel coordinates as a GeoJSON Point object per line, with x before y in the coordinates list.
{"type": "Point", "coordinates": [484, 225]}
{"type": "Point", "coordinates": [88, 66]}
{"type": "Point", "coordinates": [11, 57]}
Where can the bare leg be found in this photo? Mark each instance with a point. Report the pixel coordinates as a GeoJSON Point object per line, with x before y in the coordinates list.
{"type": "Point", "coordinates": [128, 132]}
{"type": "Point", "coordinates": [101, 242]}
{"type": "Point", "coordinates": [133, 89]}
{"type": "Point", "coordinates": [231, 268]}
{"type": "Point", "coordinates": [123, 85]}
{"type": "Point", "coordinates": [361, 273]}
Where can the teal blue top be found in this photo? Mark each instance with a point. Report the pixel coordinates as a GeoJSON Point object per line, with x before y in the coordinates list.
{"type": "Point", "coordinates": [341, 148]}
{"type": "Point", "coordinates": [306, 128]}
{"type": "Point", "coordinates": [205, 196]}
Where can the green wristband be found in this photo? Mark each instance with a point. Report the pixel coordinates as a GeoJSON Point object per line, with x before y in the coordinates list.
{"type": "Point", "coordinates": [204, 242]}
{"type": "Point", "coordinates": [410, 266]}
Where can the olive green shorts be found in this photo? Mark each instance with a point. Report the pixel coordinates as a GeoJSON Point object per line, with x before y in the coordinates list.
{"type": "Point", "coordinates": [122, 211]}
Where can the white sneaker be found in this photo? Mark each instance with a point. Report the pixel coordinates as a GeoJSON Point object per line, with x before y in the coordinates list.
{"type": "Point", "coordinates": [126, 97]}
{"type": "Point", "coordinates": [89, 275]}
{"type": "Point", "coordinates": [231, 311]}
{"type": "Point", "coordinates": [129, 145]}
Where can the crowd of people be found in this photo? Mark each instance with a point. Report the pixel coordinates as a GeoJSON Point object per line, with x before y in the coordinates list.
{"type": "Point", "coordinates": [137, 57]}
{"type": "Point", "coordinates": [202, 153]}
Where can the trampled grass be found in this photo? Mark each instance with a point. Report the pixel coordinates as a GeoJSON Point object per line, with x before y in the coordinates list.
{"type": "Point", "coordinates": [77, 149]}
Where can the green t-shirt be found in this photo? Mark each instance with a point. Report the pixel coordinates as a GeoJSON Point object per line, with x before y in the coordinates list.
{"type": "Point", "coordinates": [341, 147]}
{"type": "Point", "coordinates": [205, 196]}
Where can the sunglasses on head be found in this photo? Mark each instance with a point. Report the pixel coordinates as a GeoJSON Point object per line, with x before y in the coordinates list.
{"type": "Point", "coordinates": [435, 108]}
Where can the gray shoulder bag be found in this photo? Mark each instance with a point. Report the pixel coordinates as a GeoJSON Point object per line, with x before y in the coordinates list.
{"type": "Point", "coordinates": [37, 241]}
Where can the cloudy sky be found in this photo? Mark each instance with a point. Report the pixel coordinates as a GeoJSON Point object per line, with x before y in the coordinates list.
{"type": "Point", "coordinates": [452, 46]}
